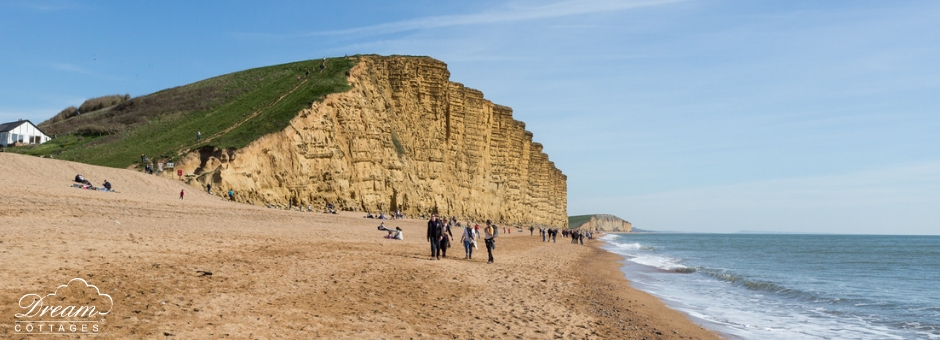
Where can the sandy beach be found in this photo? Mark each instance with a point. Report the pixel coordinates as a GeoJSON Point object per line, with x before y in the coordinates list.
{"type": "Point", "coordinates": [291, 274]}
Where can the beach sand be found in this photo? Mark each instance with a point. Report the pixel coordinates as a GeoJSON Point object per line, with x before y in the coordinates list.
{"type": "Point", "coordinates": [291, 274]}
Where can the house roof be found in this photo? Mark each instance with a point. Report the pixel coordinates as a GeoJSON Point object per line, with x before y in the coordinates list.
{"type": "Point", "coordinates": [5, 127]}
{"type": "Point", "coordinates": [10, 126]}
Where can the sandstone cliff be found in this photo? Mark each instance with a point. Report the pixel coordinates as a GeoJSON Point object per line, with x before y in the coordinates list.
{"type": "Point", "coordinates": [603, 222]}
{"type": "Point", "coordinates": [405, 137]}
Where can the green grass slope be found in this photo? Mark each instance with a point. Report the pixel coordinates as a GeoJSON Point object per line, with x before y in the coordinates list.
{"type": "Point", "coordinates": [231, 111]}
{"type": "Point", "coordinates": [577, 221]}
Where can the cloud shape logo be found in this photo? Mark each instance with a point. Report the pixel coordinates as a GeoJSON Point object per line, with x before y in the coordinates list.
{"type": "Point", "coordinates": [75, 299]}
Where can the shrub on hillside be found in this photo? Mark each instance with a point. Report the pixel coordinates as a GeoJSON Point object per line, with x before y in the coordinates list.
{"type": "Point", "coordinates": [67, 113]}
{"type": "Point", "coordinates": [99, 103]}
{"type": "Point", "coordinates": [96, 130]}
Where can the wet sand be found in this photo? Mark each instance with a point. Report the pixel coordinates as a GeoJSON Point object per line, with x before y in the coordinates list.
{"type": "Point", "coordinates": [290, 274]}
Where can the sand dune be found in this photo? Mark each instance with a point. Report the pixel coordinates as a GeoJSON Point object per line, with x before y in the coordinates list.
{"type": "Point", "coordinates": [288, 274]}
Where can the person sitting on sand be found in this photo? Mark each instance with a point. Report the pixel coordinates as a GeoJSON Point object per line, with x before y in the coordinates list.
{"type": "Point", "coordinates": [81, 179]}
{"type": "Point", "coordinates": [107, 185]}
{"type": "Point", "coordinates": [392, 234]}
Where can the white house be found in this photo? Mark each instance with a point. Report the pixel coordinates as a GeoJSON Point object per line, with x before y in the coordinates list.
{"type": "Point", "coordinates": [23, 132]}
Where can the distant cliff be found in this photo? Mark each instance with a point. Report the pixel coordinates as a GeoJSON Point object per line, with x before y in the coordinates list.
{"type": "Point", "coordinates": [404, 137]}
{"type": "Point", "coordinates": [600, 222]}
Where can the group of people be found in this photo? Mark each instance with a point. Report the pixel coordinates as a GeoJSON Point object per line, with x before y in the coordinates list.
{"type": "Point", "coordinates": [548, 234]}
{"type": "Point", "coordinates": [395, 234]}
{"type": "Point", "coordinates": [577, 236]}
{"type": "Point", "coordinates": [148, 165]}
{"type": "Point", "coordinates": [440, 236]}
{"type": "Point", "coordinates": [230, 194]}
{"type": "Point", "coordinates": [381, 215]}
{"type": "Point", "coordinates": [84, 183]}
{"type": "Point", "coordinates": [378, 215]}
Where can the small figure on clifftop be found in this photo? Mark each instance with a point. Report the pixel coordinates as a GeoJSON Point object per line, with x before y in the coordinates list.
{"type": "Point", "coordinates": [198, 135]}
{"type": "Point", "coordinates": [182, 192]}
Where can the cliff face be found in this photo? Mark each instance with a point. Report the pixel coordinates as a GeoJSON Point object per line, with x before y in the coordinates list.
{"type": "Point", "coordinates": [405, 137]}
{"type": "Point", "coordinates": [605, 222]}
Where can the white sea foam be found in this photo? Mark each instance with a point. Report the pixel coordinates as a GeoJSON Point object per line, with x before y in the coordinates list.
{"type": "Point", "coordinates": [661, 262]}
{"type": "Point", "coordinates": [631, 246]}
{"type": "Point", "coordinates": [743, 294]}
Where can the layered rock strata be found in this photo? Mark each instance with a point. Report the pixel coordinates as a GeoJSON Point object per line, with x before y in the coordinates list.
{"type": "Point", "coordinates": [405, 137]}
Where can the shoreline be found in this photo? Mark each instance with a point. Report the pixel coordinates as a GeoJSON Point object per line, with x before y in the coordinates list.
{"type": "Point", "coordinates": [619, 301]}
{"type": "Point", "coordinates": [288, 274]}
{"type": "Point", "coordinates": [626, 268]}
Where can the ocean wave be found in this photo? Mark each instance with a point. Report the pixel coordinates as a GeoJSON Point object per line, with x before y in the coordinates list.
{"type": "Point", "coordinates": [751, 284]}
{"type": "Point", "coordinates": [632, 246]}
{"type": "Point", "coordinates": [661, 262]}
{"type": "Point", "coordinates": [778, 289]}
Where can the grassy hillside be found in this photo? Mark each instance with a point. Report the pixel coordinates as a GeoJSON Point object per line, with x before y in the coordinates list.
{"type": "Point", "coordinates": [231, 111]}
{"type": "Point", "coordinates": [577, 221]}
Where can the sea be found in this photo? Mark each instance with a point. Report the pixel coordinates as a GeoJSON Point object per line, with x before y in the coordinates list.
{"type": "Point", "coordinates": [787, 286]}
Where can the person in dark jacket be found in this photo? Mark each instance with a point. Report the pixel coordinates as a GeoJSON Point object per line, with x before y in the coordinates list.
{"type": "Point", "coordinates": [435, 235]}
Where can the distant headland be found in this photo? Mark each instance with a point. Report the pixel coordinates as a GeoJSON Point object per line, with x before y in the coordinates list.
{"type": "Point", "coordinates": [599, 222]}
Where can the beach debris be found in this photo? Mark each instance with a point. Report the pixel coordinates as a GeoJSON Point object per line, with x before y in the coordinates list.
{"type": "Point", "coordinates": [204, 273]}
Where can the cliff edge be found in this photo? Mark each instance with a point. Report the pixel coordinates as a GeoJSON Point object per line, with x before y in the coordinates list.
{"type": "Point", "coordinates": [404, 137]}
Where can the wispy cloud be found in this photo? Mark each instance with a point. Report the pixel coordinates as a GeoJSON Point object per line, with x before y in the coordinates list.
{"type": "Point", "coordinates": [513, 13]}
{"type": "Point", "coordinates": [80, 70]}
{"type": "Point", "coordinates": [70, 68]}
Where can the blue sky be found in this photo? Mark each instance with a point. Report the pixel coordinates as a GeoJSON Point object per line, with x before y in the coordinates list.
{"type": "Point", "coordinates": [712, 116]}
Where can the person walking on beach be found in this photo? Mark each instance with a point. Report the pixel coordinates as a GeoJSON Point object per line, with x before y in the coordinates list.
{"type": "Point", "coordinates": [231, 195]}
{"type": "Point", "coordinates": [476, 230]}
{"type": "Point", "coordinates": [469, 241]}
{"type": "Point", "coordinates": [531, 230]}
{"type": "Point", "coordinates": [209, 188]}
{"type": "Point", "coordinates": [489, 237]}
{"type": "Point", "coordinates": [435, 234]}
{"type": "Point", "coordinates": [182, 192]}
{"type": "Point", "coordinates": [446, 236]}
